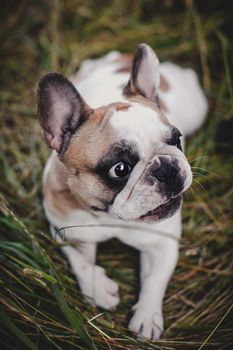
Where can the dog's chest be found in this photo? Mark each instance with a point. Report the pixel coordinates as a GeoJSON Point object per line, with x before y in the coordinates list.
{"type": "Point", "coordinates": [97, 229]}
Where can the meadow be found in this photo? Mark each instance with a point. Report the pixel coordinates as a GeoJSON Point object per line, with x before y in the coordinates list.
{"type": "Point", "coordinates": [41, 306]}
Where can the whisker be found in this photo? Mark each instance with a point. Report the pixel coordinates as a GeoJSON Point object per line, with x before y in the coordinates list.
{"type": "Point", "coordinates": [187, 194]}
{"type": "Point", "coordinates": [195, 174]}
{"type": "Point", "coordinates": [199, 184]}
{"type": "Point", "coordinates": [193, 160]}
{"type": "Point", "coordinates": [203, 169]}
{"type": "Point", "coordinates": [191, 191]}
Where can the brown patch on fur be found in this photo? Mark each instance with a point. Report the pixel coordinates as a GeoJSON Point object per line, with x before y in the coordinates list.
{"type": "Point", "coordinates": [83, 154]}
{"type": "Point", "coordinates": [162, 105]}
{"type": "Point", "coordinates": [71, 182]}
{"type": "Point", "coordinates": [57, 194]}
{"type": "Point", "coordinates": [164, 85]}
{"type": "Point", "coordinates": [86, 146]}
{"type": "Point", "coordinates": [120, 106]}
{"type": "Point", "coordinates": [130, 90]}
{"type": "Point", "coordinates": [125, 61]}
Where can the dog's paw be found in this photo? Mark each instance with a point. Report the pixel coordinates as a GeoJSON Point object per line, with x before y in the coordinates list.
{"type": "Point", "coordinates": [146, 322]}
{"type": "Point", "coordinates": [102, 290]}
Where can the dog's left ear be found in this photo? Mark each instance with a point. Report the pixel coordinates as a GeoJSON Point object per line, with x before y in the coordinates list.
{"type": "Point", "coordinates": [145, 76]}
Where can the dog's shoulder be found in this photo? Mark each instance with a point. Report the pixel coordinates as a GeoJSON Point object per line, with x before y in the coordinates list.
{"type": "Point", "coordinates": [56, 191]}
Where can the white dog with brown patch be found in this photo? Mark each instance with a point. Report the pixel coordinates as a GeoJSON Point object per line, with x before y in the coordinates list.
{"type": "Point", "coordinates": [119, 165]}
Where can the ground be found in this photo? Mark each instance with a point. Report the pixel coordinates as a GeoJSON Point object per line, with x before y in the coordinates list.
{"type": "Point", "coordinates": [40, 303]}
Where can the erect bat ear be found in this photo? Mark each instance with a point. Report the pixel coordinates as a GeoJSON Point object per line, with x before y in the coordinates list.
{"type": "Point", "coordinates": [61, 110]}
{"type": "Point", "coordinates": [145, 77]}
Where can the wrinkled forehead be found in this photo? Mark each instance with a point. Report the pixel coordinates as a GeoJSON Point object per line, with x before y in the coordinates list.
{"type": "Point", "coordinates": [140, 124]}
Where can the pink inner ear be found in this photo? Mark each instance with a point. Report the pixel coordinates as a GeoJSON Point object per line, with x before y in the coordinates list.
{"type": "Point", "coordinates": [55, 144]}
{"type": "Point", "coordinates": [52, 141]}
{"type": "Point", "coordinates": [146, 81]}
{"type": "Point", "coordinates": [148, 75]}
{"type": "Point", "coordinates": [145, 75]}
{"type": "Point", "coordinates": [60, 110]}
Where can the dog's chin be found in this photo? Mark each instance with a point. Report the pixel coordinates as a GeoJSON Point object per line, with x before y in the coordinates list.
{"type": "Point", "coordinates": [164, 211]}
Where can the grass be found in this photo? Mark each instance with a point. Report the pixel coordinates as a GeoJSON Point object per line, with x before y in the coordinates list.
{"type": "Point", "coordinates": [40, 303]}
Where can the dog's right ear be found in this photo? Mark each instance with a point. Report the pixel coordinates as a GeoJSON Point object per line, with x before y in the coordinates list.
{"type": "Point", "coordinates": [61, 110]}
{"type": "Point", "coordinates": [145, 77]}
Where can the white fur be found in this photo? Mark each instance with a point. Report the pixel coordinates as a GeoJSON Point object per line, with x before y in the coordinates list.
{"type": "Point", "coordinates": [99, 85]}
{"type": "Point", "coordinates": [185, 102]}
{"type": "Point", "coordinates": [140, 125]}
{"type": "Point", "coordinates": [97, 82]}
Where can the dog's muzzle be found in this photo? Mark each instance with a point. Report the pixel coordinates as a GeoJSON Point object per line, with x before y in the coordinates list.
{"type": "Point", "coordinates": [154, 193]}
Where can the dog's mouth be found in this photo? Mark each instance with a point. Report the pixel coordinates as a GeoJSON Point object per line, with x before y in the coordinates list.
{"type": "Point", "coordinates": [164, 211]}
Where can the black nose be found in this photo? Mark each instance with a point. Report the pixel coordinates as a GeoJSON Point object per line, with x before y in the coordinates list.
{"type": "Point", "coordinates": [166, 172]}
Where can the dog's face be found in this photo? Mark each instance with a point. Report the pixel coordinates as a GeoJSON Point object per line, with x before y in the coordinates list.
{"type": "Point", "coordinates": [124, 158]}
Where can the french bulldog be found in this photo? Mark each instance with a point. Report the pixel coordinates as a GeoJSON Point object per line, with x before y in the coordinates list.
{"type": "Point", "coordinates": [118, 165]}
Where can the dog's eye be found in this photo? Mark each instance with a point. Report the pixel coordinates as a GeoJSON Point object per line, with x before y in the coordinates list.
{"type": "Point", "coordinates": [175, 139]}
{"type": "Point", "coordinates": [119, 170]}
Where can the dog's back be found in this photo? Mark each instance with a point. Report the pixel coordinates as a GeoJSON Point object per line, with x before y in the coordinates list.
{"type": "Point", "coordinates": [100, 81]}
{"type": "Point", "coordinates": [184, 98]}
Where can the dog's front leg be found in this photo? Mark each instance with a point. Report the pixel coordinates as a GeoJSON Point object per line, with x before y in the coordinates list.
{"type": "Point", "coordinates": [94, 283]}
{"type": "Point", "coordinates": [157, 265]}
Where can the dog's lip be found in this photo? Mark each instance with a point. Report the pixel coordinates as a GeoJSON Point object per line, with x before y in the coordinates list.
{"type": "Point", "coordinates": [158, 210]}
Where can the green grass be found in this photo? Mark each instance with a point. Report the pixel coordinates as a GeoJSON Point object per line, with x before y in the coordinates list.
{"type": "Point", "coordinates": [41, 306]}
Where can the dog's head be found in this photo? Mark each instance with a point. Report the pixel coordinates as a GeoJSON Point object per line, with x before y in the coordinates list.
{"type": "Point", "coordinates": [124, 158]}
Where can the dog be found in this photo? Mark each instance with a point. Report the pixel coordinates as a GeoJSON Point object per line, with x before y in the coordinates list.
{"type": "Point", "coordinates": [118, 163]}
